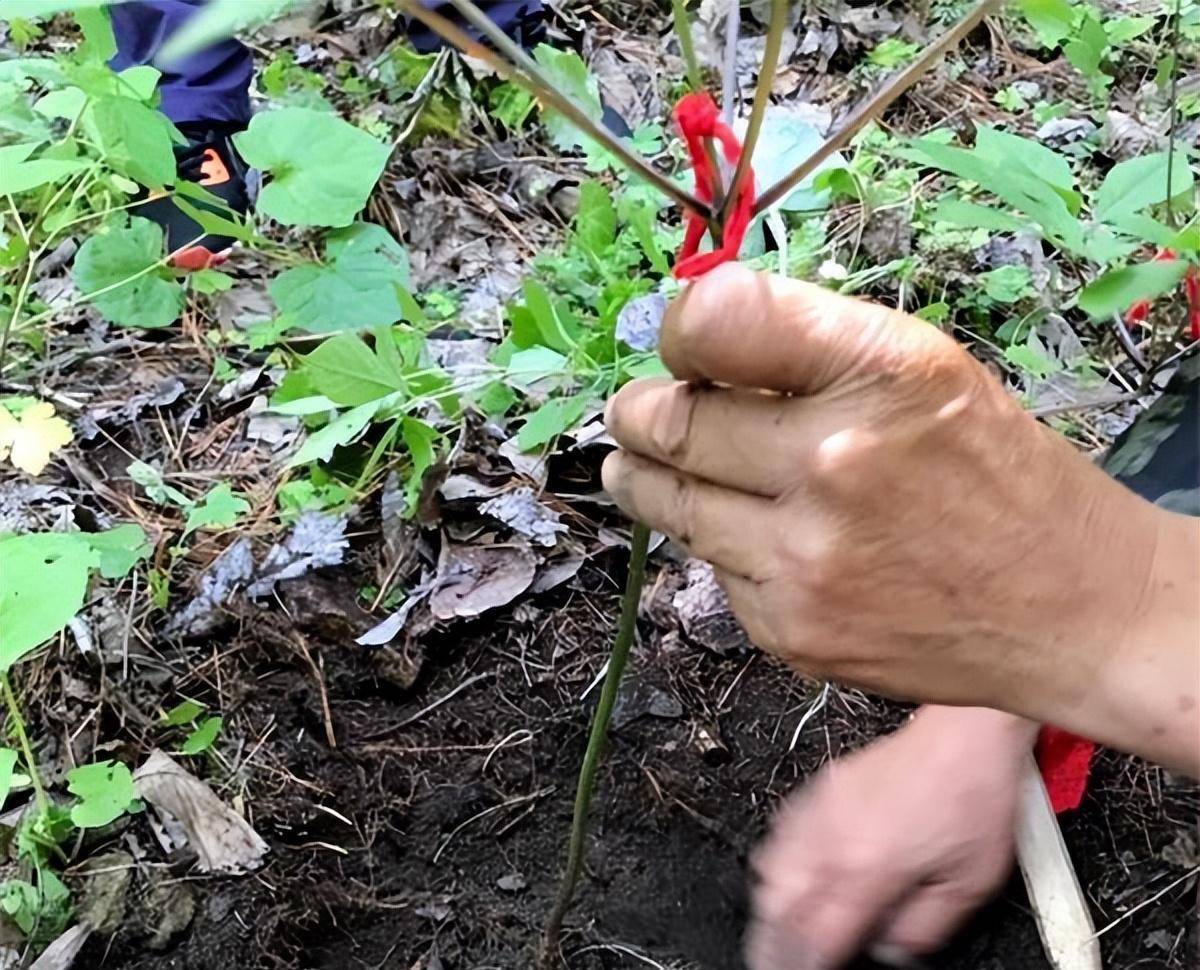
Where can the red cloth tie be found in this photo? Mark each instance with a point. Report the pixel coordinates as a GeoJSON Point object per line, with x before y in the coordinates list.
{"type": "Point", "coordinates": [699, 118]}
{"type": "Point", "coordinates": [1066, 763]}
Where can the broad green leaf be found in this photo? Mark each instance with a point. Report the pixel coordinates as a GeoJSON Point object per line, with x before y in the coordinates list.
{"type": "Point", "coordinates": [525, 367]}
{"type": "Point", "coordinates": [8, 761]}
{"type": "Point", "coordinates": [119, 549]}
{"type": "Point", "coordinates": [959, 212]}
{"type": "Point", "coordinates": [786, 141]}
{"type": "Point", "coordinates": [568, 74]}
{"type": "Point", "coordinates": [43, 579]}
{"type": "Point", "coordinates": [1141, 182]}
{"type": "Point", "coordinates": [111, 259]}
{"type": "Point", "coordinates": [201, 739]}
{"type": "Point", "coordinates": [220, 509]}
{"type": "Point", "coordinates": [216, 21]}
{"type": "Point", "coordinates": [340, 431]}
{"type": "Point", "coordinates": [323, 168]}
{"type": "Point", "coordinates": [136, 140]}
{"type": "Point", "coordinates": [31, 9]}
{"type": "Point", "coordinates": [360, 285]}
{"type": "Point", "coordinates": [22, 902]}
{"type": "Point", "coordinates": [1088, 44]}
{"type": "Point", "coordinates": [1007, 284]}
{"type": "Point", "coordinates": [185, 712]}
{"type": "Point", "coordinates": [419, 437]}
{"type": "Point", "coordinates": [1118, 290]}
{"type": "Point", "coordinates": [1004, 148]}
{"type": "Point", "coordinates": [18, 175]}
{"type": "Point", "coordinates": [546, 317]}
{"type": "Point", "coordinates": [18, 117]}
{"type": "Point", "coordinates": [1031, 358]}
{"type": "Point", "coordinates": [105, 792]}
{"type": "Point", "coordinates": [596, 220]}
{"type": "Point", "coordinates": [1052, 20]}
{"type": "Point", "coordinates": [552, 419]}
{"type": "Point", "coordinates": [348, 372]}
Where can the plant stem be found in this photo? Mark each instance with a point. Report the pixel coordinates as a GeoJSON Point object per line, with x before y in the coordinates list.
{"type": "Point", "coordinates": [14, 711]}
{"type": "Point", "coordinates": [876, 105]}
{"type": "Point", "coordinates": [523, 70]}
{"type": "Point", "coordinates": [626, 629]}
{"type": "Point", "coordinates": [687, 45]}
{"type": "Point", "coordinates": [762, 100]}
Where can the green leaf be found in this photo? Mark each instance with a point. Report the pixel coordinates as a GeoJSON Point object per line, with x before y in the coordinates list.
{"type": "Point", "coordinates": [220, 509]}
{"type": "Point", "coordinates": [1141, 182]}
{"type": "Point", "coordinates": [323, 168]}
{"type": "Point", "coordinates": [1032, 359]}
{"type": "Point", "coordinates": [1038, 161]}
{"type": "Point", "coordinates": [784, 143]}
{"type": "Point", "coordinates": [43, 579]}
{"type": "Point", "coordinates": [545, 317]}
{"type": "Point", "coordinates": [37, 9]}
{"type": "Point", "coordinates": [119, 549]}
{"type": "Point", "coordinates": [552, 419]}
{"type": "Point", "coordinates": [1088, 44]}
{"type": "Point", "coordinates": [568, 74]}
{"type": "Point", "coordinates": [18, 175]}
{"type": "Point", "coordinates": [961, 213]}
{"type": "Point", "coordinates": [1007, 284]}
{"type": "Point", "coordinates": [361, 285]}
{"type": "Point", "coordinates": [1117, 290]}
{"type": "Point", "coordinates": [419, 437]}
{"type": "Point", "coordinates": [111, 258]}
{"type": "Point", "coordinates": [201, 739]}
{"type": "Point", "coordinates": [136, 140]}
{"type": "Point", "coordinates": [1052, 20]}
{"type": "Point", "coordinates": [340, 431]}
{"type": "Point", "coordinates": [596, 220]}
{"type": "Point", "coordinates": [155, 488]}
{"type": "Point", "coordinates": [8, 761]}
{"type": "Point", "coordinates": [183, 713]}
{"type": "Point", "coordinates": [210, 281]}
{"type": "Point", "coordinates": [105, 792]}
{"type": "Point", "coordinates": [348, 372]}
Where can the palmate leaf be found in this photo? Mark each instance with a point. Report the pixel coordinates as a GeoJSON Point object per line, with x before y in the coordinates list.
{"type": "Point", "coordinates": [357, 287]}
{"type": "Point", "coordinates": [323, 168]}
{"type": "Point", "coordinates": [350, 373]}
{"type": "Point", "coordinates": [112, 258]}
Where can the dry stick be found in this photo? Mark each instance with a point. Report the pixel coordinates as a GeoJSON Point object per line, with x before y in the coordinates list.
{"type": "Point", "coordinates": [522, 70]}
{"type": "Point", "coordinates": [762, 100]}
{"type": "Point", "coordinates": [876, 105]}
{"type": "Point", "coordinates": [627, 627]}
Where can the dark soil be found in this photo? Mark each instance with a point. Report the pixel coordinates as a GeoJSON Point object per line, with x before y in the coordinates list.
{"type": "Point", "coordinates": [427, 841]}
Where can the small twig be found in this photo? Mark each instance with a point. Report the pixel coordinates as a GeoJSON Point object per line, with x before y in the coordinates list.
{"type": "Point", "coordinates": [412, 719]}
{"type": "Point", "coordinates": [626, 630]}
{"type": "Point", "coordinates": [762, 100]}
{"type": "Point", "coordinates": [876, 105]}
{"type": "Point", "coordinates": [523, 70]}
{"type": "Point", "coordinates": [1153, 899]}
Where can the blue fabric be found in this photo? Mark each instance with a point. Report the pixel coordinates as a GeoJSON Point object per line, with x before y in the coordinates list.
{"type": "Point", "coordinates": [212, 85]}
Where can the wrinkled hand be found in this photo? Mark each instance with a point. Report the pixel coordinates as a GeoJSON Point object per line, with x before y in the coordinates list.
{"type": "Point", "coordinates": [893, 848]}
{"type": "Point", "coordinates": [878, 508]}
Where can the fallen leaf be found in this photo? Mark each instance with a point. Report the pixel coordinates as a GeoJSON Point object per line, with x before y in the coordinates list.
{"type": "Point", "coordinates": [60, 955]}
{"type": "Point", "coordinates": [703, 611]}
{"type": "Point", "coordinates": [520, 510]}
{"type": "Point", "coordinates": [30, 438]}
{"type": "Point", "coordinates": [474, 579]}
{"type": "Point", "coordinates": [222, 839]}
{"type": "Point", "coordinates": [316, 540]}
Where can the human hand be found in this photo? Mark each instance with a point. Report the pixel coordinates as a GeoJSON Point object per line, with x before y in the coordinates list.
{"type": "Point", "coordinates": [881, 512]}
{"type": "Point", "coordinates": [893, 848]}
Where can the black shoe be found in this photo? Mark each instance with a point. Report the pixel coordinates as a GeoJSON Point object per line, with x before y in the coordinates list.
{"type": "Point", "coordinates": [210, 160]}
{"type": "Point", "coordinates": [523, 20]}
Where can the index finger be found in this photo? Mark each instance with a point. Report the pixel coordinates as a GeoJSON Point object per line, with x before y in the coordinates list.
{"type": "Point", "coordinates": [747, 329]}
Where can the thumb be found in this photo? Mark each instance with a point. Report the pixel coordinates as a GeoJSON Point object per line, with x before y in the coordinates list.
{"type": "Point", "coordinates": [748, 329]}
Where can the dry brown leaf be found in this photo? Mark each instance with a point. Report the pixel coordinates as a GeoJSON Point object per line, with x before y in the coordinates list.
{"type": "Point", "coordinates": [474, 579]}
{"type": "Point", "coordinates": [222, 839]}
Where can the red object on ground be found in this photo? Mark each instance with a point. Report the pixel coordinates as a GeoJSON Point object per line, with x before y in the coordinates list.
{"type": "Point", "coordinates": [1066, 763]}
{"type": "Point", "coordinates": [699, 118]}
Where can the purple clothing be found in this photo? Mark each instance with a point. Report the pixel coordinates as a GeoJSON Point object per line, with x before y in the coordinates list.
{"type": "Point", "coordinates": [213, 85]}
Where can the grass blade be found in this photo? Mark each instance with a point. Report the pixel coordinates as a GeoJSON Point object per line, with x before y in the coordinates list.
{"type": "Point", "coordinates": [876, 105]}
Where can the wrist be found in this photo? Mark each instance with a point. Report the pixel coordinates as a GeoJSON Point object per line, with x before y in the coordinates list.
{"type": "Point", "coordinates": [987, 732]}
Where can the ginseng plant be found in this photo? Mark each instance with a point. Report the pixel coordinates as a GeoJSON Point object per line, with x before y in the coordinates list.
{"type": "Point", "coordinates": [724, 211]}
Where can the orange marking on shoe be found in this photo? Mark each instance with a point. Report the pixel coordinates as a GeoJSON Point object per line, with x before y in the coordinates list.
{"type": "Point", "coordinates": [213, 169]}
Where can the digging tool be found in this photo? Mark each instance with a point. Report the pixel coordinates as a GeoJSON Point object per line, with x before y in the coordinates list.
{"type": "Point", "coordinates": [1063, 920]}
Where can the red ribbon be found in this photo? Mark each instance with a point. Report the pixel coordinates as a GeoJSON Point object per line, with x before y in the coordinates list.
{"type": "Point", "coordinates": [1066, 763]}
{"type": "Point", "coordinates": [699, 118]}
{"type": "Point", "coordinates": [1139, 313]}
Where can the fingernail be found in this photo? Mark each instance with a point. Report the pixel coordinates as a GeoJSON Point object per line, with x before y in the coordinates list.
{"type": "Point", "coordinates": [891, 955]}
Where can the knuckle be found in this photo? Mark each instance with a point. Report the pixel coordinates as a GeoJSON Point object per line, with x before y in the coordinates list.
{"type": "Point", "coordinates": [842, 460]}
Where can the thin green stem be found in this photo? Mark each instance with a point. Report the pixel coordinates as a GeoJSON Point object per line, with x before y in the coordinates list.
{"type": "Point", "coordinates": [626, 629]}
{"type": "Point", "coordinates": [762, 100]}
{"type": "Point", "coordinates": [14, 712]}
{"type": "Point", "coordinates": [1174, 123]}
{"type": "Point", "coordinates": [876, 105]}
{"type": "Point", "coordinates": [687, 45]}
